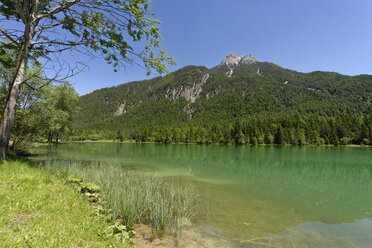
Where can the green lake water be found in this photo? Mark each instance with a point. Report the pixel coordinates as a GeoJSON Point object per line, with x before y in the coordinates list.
{"type": "Point", "coordinates": [259, 196]}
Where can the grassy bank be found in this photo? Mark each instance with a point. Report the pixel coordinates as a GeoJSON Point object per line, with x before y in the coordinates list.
{"type": "Point", "coordinates": [134, 197]}
{"type": "Point", "coordinates": [38, 209]}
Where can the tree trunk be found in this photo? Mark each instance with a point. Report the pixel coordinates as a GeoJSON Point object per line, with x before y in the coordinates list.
{"type": "Point", "coordinates": [8, 119]}
{"type": "Point", "coordinates": [50, 137]}
{"type": "Point", "coordinates": [9, 111]}
{"type": "Point", "coordinates": [57, 138]}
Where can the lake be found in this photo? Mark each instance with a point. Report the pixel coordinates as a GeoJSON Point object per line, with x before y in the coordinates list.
{"type": "Point", "coordinates": [258, 196]}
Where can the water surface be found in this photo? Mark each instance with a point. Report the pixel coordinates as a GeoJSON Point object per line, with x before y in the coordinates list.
{"type": "Point", "coordinates": [259, 196]}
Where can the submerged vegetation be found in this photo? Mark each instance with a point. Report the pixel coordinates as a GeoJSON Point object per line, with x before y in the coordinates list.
{"type": "Point", "coordinates": [246, 104]}
{"type": "Point", "coordinates": [133, 197]}
{"type": "Point", "coordinates": [249, 192]}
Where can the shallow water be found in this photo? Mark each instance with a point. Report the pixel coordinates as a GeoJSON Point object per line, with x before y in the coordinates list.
{"type": "Point", "coordinates": [258, 196]}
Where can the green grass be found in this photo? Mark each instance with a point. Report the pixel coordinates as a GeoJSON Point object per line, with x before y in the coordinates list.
{"type": "Point", "coordinates": [38, 209]}
{"type": "Point", "coordinates": [135, 197]}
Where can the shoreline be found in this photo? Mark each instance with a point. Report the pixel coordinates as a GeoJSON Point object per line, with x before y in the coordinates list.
{"type": "Point", "coordinates": [207, 144]}
{"type": "Point", "coordinates": [80, 201]}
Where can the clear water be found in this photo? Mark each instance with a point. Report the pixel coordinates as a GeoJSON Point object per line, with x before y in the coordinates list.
{"type": "Point", "coordinates": [259, 196]}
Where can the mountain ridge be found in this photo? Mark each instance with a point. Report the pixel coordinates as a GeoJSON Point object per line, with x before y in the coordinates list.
{"type": "Point", "coordinates": [197, 95]}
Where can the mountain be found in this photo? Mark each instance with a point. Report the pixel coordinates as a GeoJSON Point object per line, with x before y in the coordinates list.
{"type": "Point", "coordinates": [240, 87]}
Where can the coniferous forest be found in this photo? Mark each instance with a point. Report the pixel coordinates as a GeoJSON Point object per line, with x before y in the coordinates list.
{"type": "Point", "coordinates": [258, 103]}
{"type": "Point", "coordinates": [277, 157]}
{"type": "Point", "coordinates": [294, 130]}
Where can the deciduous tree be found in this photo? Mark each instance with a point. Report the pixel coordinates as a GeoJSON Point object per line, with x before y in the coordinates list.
{"type": "Point", "coordinates": [45, 29]}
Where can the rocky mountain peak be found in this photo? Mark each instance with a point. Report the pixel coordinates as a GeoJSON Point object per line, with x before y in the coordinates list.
{"type": "Point", "coordinates": [231, 59]}
{"type": "Point", "coordinates": [249, 59]}
{"type": "Point", "coordinates": [234, 59]}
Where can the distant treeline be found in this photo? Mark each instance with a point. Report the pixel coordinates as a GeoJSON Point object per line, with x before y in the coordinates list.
{"type": "Point", "coordinates": [291, 129]}
{"type": "Point", "coordinates": [199, 105]}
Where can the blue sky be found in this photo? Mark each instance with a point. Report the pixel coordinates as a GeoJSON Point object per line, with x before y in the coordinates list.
{"type": "Point", "coordinates": [327, 35]}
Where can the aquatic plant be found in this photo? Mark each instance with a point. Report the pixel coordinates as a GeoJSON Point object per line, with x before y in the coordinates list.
{"type": "Point", "coordinates": [135, 197]}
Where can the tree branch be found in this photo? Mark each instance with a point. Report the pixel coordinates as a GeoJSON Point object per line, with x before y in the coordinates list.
{"type": "Point", "coordinates": [9, 37]}
{"type": "Point", "coordinates": [78, 43]}
{"type": "Point", "coordinates": [57, 8]}
{"type": "Point", "coordinates": [48, 27]}
{"type": "Point", "coordinates": [36, 88]}
{"type": "Point", "coordinates": [19, 10]}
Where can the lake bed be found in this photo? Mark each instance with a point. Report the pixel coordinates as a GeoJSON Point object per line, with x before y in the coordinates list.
{"type": "Point", "coordinates": [257, 196]}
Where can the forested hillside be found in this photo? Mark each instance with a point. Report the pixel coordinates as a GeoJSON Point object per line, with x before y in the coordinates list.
{"type": "Point", "coordinates": [240, 97]}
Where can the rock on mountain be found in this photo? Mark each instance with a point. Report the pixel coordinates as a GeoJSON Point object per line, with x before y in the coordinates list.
{"type": "Point", "coordinates": [236, 88]}
{"type": "Point", "coordinates": [234, 59]}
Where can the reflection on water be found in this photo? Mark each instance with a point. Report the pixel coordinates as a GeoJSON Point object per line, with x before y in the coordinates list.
{"type": "Point", "coordinates": [260, 196]}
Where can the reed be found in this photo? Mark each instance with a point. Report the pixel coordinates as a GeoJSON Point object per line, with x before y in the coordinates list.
{"type": "Point", "coordinates": [135, 197]}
